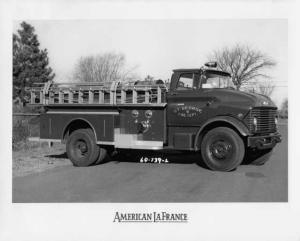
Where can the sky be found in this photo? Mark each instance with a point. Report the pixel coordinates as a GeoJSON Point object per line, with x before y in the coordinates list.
{"type": "Point", "coordinates": [156, 47]}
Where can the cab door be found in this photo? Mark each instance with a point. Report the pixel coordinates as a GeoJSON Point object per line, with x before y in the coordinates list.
{"type": "Point", "coordinates": [187, 106]}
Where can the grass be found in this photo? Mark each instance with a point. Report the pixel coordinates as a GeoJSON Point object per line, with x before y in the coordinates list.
{"type": "Point", "coordinates": [24, 127]}
{"type": "Point", "coordinates": [32, 157]}
{"type": "Point", "coordinates": [38, 157]}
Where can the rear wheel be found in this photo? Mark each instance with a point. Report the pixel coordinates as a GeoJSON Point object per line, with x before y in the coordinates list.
{"type": "Point", "coordinates": [222, 149]}
{"type": "Point", "coordinates": [82, 149]}
{"type": "Point", "coordinates": [102, 156]}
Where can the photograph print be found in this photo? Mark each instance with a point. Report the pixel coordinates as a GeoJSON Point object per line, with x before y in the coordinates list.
{"type": "Point", "coordinates": [150, 111]}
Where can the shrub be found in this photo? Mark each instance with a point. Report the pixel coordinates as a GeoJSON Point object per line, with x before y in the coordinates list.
{"type": "Point", "coordinates": [24, 126]}
{"type": "Point", "coordinates": [20, 131]}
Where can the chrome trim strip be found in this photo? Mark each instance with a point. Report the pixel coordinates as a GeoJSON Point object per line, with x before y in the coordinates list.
{"type": "Point", "coordinates": [143, 105]}
{"type": "Point", "coordinates": [41, 139]}
{"type": "Point", "coordinates": [82, 113]}
{"type": "Point", "coordinates": [52, 140]}
{"type": "Point", "coordinates": [33, 139]}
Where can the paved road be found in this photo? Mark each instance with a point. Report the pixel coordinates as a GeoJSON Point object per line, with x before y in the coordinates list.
{"type": "Point", "coordinates": [179, 181]}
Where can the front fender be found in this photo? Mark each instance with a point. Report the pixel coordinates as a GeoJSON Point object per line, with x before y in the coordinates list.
{"type": "Point", "coordinates": [237, 124]}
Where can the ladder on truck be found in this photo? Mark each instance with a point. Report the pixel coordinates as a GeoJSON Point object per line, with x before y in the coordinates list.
{"type": "Point", "coordinates": [97, 93]}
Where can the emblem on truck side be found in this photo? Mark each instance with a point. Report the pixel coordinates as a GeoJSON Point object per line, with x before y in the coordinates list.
{"type": "Point", "coordinates": [187, 111]}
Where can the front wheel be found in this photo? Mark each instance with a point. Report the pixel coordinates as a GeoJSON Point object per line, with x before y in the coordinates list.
{"type": "Point", "coordinates": [222, 149]}
{"type": "Point", "coordinates": [82, 149]}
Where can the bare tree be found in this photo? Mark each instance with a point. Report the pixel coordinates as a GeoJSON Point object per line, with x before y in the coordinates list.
{"type": "Point", "coordinates": [284, 109]}
{"type": "Point", "coordinates": [265, 88]}
{"type": "Point", "coordinates": [244, 64]}
{"type": "Point", "coordinates": [103, 68]}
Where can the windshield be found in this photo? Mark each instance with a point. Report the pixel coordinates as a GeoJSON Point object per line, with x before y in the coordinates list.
{"type": "Point", "coordinates": [211, 81]}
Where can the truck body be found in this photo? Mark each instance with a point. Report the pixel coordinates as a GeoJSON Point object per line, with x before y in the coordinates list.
{"type": "Point", "coordinates": [200, 111]}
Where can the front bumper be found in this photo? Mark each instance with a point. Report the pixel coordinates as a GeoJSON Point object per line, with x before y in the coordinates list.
{"type": "Point", "coordinates": [265, 141]}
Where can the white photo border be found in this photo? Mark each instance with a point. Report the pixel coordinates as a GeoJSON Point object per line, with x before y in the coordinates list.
{"type": "Point", "coordinates": [207, 221]}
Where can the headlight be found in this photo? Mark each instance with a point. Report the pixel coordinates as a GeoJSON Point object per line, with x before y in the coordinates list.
{"type": "Point", "coordinates": [276, 122]}
{"type": "Point", "coordinates": [255, 123]}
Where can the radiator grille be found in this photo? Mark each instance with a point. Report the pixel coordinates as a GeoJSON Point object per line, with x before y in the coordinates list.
{"type": "Point", "coordinates": [265, 120]}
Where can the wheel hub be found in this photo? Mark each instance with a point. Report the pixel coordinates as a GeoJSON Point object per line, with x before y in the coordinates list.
{"type": "Point", "coordinates": [82, 147]}
{"type": "Point", "coordinates": [220, 149]}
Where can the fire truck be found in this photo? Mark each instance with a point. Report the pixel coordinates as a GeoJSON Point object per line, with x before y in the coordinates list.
{"type": "Point", "coordinates": [200, 111]}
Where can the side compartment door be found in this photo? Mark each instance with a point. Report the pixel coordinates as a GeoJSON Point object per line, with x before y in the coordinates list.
{"type": "Point", "coordinates": [144, 123]}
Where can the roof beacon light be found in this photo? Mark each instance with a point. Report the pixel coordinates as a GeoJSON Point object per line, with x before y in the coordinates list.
{"type": "Point", "coordinates": [211, 64]}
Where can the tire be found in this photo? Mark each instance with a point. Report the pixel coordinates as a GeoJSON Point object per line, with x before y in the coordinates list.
{"type": "Point", "coordinates": [82, 149]}
{"type": "Point", "coordinates": [102, 156]}
{"type": "Point", "coordinates": [259, 157]}
{"type": "Point", "coordinates": [222, 149]}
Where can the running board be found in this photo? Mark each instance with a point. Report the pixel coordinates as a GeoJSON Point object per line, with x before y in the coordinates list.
{"type": "Point", "coordinates": [145, 145]}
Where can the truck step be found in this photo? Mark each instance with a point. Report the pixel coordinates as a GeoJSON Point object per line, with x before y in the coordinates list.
{"type": "Point", "coordinates": [131, 141]}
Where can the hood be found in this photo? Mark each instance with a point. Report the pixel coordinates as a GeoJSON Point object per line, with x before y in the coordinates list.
{"type": "Point", "coordinates": [260, 100]}
{"type": "Point", "coordinates": [241, 98]}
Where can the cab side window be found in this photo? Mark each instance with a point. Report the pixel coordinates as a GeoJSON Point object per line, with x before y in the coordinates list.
{"type": "Point", "coordinates": [186, 82]}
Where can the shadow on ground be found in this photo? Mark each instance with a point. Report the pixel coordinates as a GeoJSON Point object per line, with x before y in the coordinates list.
{"type": "Point", "coordinates": [174, 157]}
{"type": "Point", "coordinates": [58, 156]}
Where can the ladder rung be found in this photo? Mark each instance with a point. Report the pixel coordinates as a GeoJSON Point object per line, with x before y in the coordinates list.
{"type": "Point", "coordinates": [96, 94]}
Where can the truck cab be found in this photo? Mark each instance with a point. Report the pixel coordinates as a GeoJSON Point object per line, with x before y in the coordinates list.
{"type": "Point", "coordinates": [206, 113]}
{"type": "Point", "coordinates": [201, 112]}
